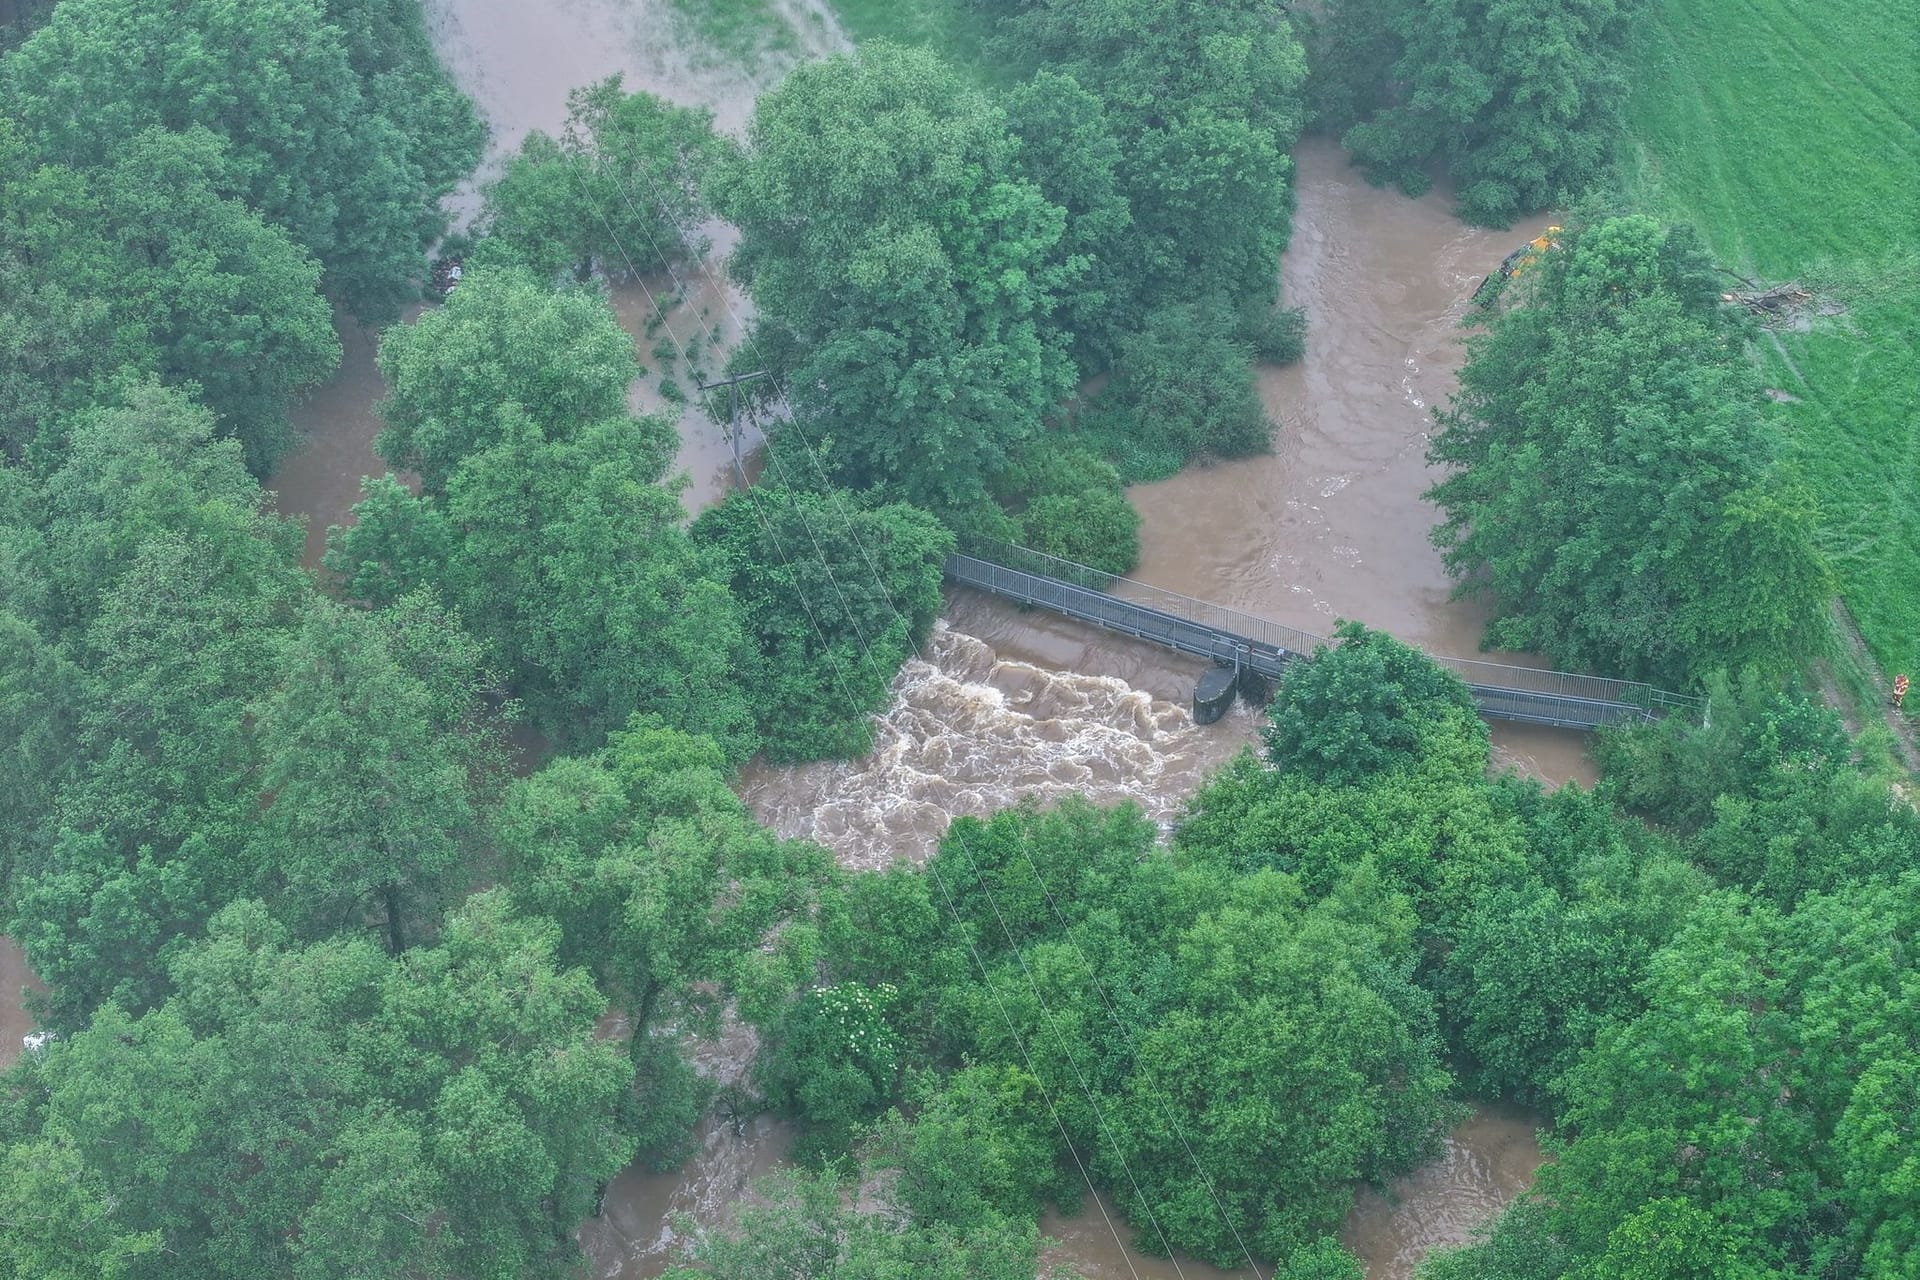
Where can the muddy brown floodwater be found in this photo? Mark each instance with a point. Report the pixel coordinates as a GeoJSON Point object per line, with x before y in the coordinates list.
{"type": "Point", "coordinates": [16, 980]}
{"type": "Point", "coordinates": [1331, 525]}
{"type": "Point", "coordinates": [1003, 703]}
{"type": "Point", "coordinates": [518, 61]}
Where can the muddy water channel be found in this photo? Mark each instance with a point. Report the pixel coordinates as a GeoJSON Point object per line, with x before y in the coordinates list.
{"type": "Point", "coordinates": [1330, 525]}
{"type": "Point", "coordinates": [1004, 704]}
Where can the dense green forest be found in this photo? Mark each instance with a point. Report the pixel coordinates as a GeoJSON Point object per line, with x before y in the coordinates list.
{"type": "Point", "coordinates": [340, 987]}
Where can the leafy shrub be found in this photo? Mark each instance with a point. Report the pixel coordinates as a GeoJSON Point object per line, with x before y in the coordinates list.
{"type": "Point", "coordinates": [1280, 336]}
{"type": "Point", "coordinates": [1095, 527]}
{"type": "Point", "coordinates": [1188, 381]}
{"type": "Point", "coordinates": [836, 595]}
{"type": "Point", "coordinates": [1363, 707]}
{"type": "Point", "coordinates": [835, 1060]}
{"type": "Point", "coordinates": [1074, 506]}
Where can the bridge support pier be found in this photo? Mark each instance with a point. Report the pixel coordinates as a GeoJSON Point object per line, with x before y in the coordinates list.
{"type": "Point", "coordinates": [1214, 694]}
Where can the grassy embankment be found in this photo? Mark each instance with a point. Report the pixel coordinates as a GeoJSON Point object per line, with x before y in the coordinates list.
{"type": "Point", "coordinates": [1789, 133]}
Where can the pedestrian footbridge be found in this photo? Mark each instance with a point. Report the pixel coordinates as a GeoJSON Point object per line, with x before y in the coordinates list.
{"type": "Point", "coordinates": [1249, 651]}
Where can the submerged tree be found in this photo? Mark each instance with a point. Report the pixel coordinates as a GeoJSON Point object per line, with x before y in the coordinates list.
{"type": "Point", "coordinates": [619, 190]}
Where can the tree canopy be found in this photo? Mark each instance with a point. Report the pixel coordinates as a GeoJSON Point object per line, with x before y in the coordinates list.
{"type": "Point", "coordinates": [836, 596]}
{"type": "Point", "coordinates": [558, 357]}
{"type": "Point", "coordinates": [618, 190]}
{"type": "Point", "coordinates": [337, 994]}
{"type": "Point", "coordinates": [146, 262]}
{"type": "Point", "coordinates": [351, 167]}
{"type": "Point", "coordinates": [1521, 104]}
{"type": "Point", "coordinates": [906, 271]}
{"type": "Point", "coordinates": [329, 1111]}
{"type": "Point", "coordinates": [1204, 99]}
{"type": "Point", "coordinates": [1614, 487]}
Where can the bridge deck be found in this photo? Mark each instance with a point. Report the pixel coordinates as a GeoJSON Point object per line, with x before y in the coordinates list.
{"type": "Point", "coordinates": [1205, 630]}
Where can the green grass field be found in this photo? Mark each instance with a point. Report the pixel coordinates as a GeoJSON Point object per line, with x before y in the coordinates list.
{"type": "Point", "coordinates": [1788, 131]}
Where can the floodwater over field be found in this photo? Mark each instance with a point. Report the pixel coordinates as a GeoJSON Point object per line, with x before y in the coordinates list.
{"type": "Point", "coordinates": [1004, 704]}
{"type": "Point", "coordinates": [518, 62]}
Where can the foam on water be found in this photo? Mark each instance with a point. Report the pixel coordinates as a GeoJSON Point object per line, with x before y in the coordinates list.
{"type": "Point", "coordinates": [969, 733]}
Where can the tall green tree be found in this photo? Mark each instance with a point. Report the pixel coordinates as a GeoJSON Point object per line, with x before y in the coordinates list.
{"type": "Point", "coordinates": [1614, 487]}
{"type": "Point", "coordinates": [147, 261]}
{"type": "Point", "coordinates": [504, 338]}
{"type": "Point", "coordinates": [1204, 99]}
{"type": "Point", "coordinates": [173, 592]}
{"type": "Point", "coordinates": [1768, 794]}
{"type": "Point", "coordinates": [368, 808]}
{"type": "Point", "coordinates": [1753, 1119]}
{"type": "Point", "coordinates": [572, 562]}
{"type": "Point", "coordinates": [276, 79]}
{"type": "Point", "coordinates": [655, 872]}
{"type": "Point", "coordinates": [1301, 1056]}
{"type": "Point", "coordinates": [1224, 1054]}
{"type": "Point", "coordinates": [905, 270]}
{"type": "Point", "coordinates": [403, 80]}
{"type": "Point", "coordinates": [329, 1112]}
{"type": "Point", "coordinates": [543, 517]}
{"type": "Point", "coordinates": [1363, 706]}
{"type": "Point", "coordinates": [1069, 148]}
{"type": "Point", "coordinates": [665, 889]}
{"type": "Point", "coordinates": [1182, 389]}
{"type": "Point", "coordinates": [618, 190]}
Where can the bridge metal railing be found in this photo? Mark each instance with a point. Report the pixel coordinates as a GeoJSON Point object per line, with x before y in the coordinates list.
{"type": "Point", "coordinates": [1004, 569]}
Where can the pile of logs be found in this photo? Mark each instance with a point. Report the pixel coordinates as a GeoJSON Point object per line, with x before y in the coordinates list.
{"type": "Point", "coordinates": [1774, 301]}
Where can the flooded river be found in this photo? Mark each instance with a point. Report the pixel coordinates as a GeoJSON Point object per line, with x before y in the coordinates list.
{"type": "Point", "coordinates": [1004, 704]}
{"type": "Point", "coordinates": [1330, 525]}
